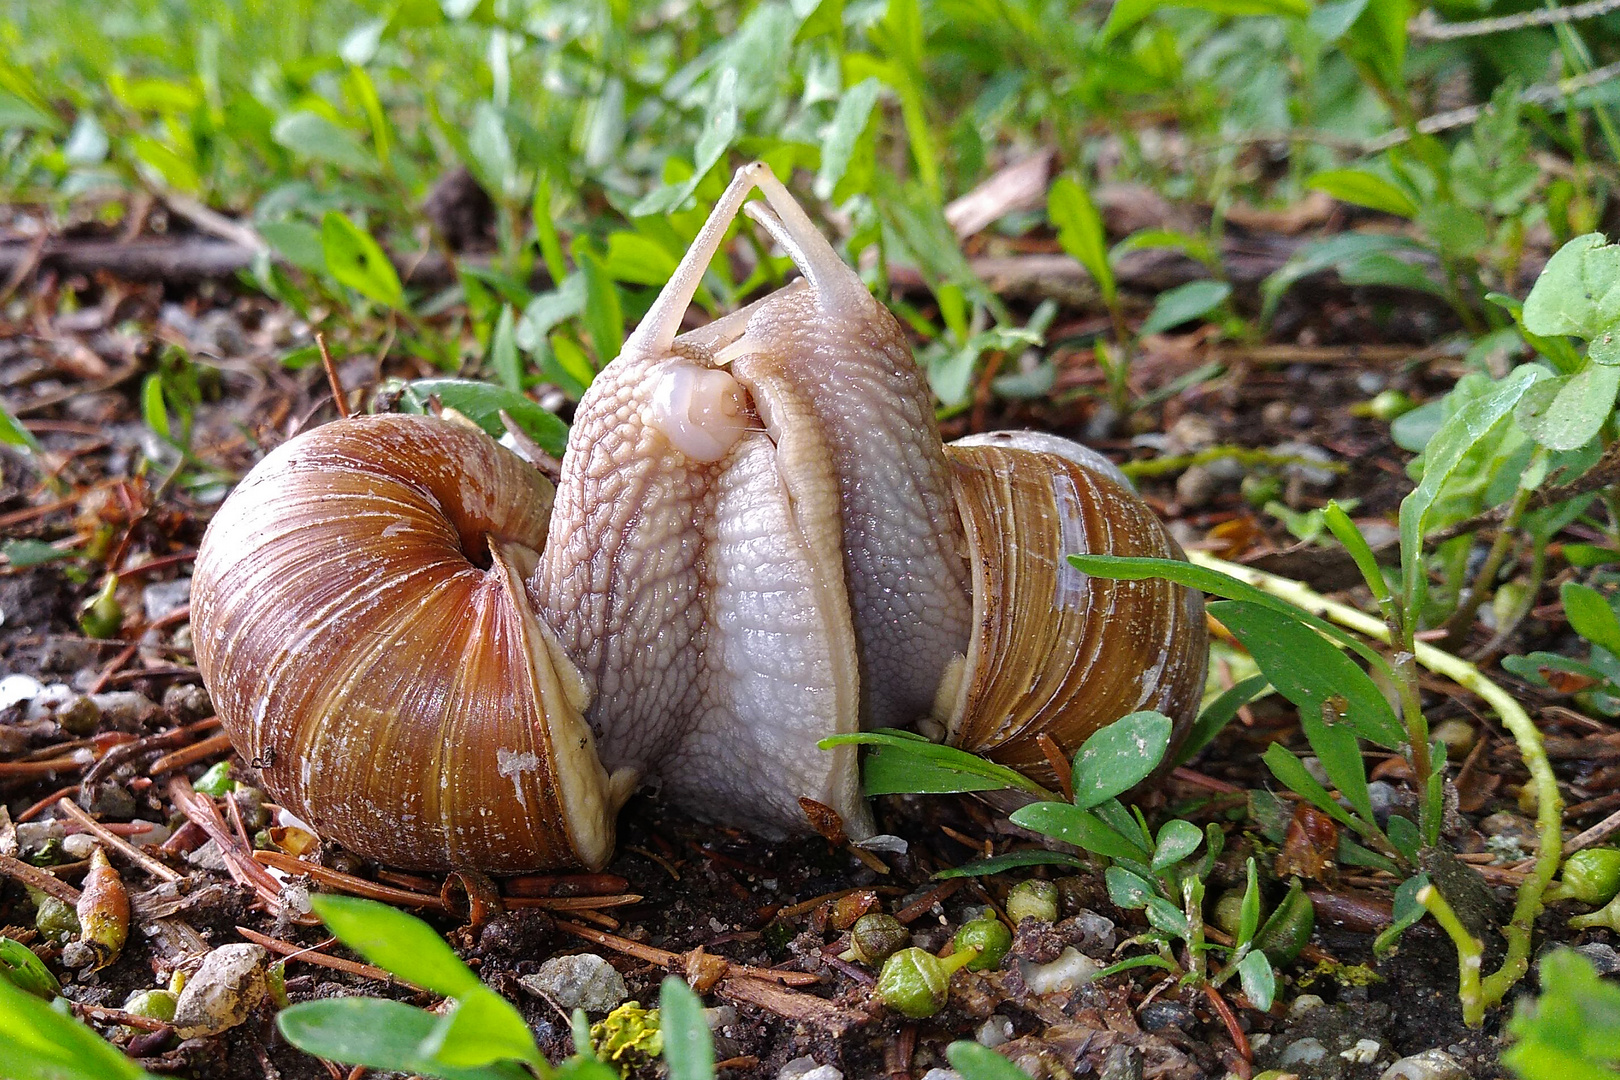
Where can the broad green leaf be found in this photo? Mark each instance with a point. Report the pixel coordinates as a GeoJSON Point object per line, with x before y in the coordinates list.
{"type": "Point", "coordinates": [42, 1044]}
{"type": "Point", "coordinates": [688, 1047]}
{"type": "Point", "coordinates": [1556, 349]}
{"type": "Point", "coordinates": [1362, 188]}
{"type": "Point", "coordinates": [1012, 860]}
{"type": "Point", "coordinates": [1591, 616]}
{"type": "Point", "coordinates": [25, 552]}
{"type": "Point", "coordinates": [1572, 1032]}
{"type": "Point", "coordinates": [1217, 714]}
{"type": "Point", "coordinates": [482, 1028]}
{"type": "Point", "coordinates": [483, 403]}
{"type": "Point", "coordinates": [911, 764]}
{"type": "Point", "coordinates": [26, 970]}
{"type": "Point", "coordinates": [298, 242]}
{"type": "Point", "coordinates": [976, 1062]}
{"type": "Point", "coordinates": [492, 155]}
{"type": "Point", "coordinates": [358, 261]}
{"type": "Point", "coordinates": [1404, 836]}
{"type": "Point", "coordinates": [547, 310]}
{"type": "Point", "coordinates": [1184, 303]}
{"type": "Point", "coordinates": [1127, 890]}
{"type": "Point", "coordinates": [1578, 291]}
{"type": "Point", "coordinates": [638, 259]}
{"type": "Point", "coordinates": [311, 135]}
{"type": "Point", "coordinates": [1377, 40]}
{"type": "Point", "coordinates": [378, 1033]}
{"type": "Point", "coordinates": [1287, 767]}
{"type": "Point", "coordinates": [1164, 915]}
{"type": "Point", "coordinates": [1566, 412]}
{"type": "Point", "coordinates": [1073, 825]}
{"type": "Point", "coordinates": [842, 138]}
{"type": "Point", "coordinates": [1259, 982]}
{"type": "Point", "coordinates": [604, 316]}
{"type": "Point", "coordinates": [1443, 456]}
{"type": "Point", "coordinates": [1310, 671]}
{"type": "Point", "coordinates": [397, 942]}
{"type": "Point", "coordinates": [1118, 757]}
{"type": "Point", "coordinates": [1383, 270]}
{"type": "Point", "coordinates": [1460, 232]}
{"type": "Point", "coordinates": [1177, 840]}
{"type": "Point", "coordinates": [1080, 231]}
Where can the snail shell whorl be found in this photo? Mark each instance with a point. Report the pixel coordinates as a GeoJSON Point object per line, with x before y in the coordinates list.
{"type": "Point", "coordinates": [1057, 651]}
{"type": "Point", "coordinates": [439, 725]}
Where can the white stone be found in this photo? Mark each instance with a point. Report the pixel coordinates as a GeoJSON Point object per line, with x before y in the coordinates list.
{"type": "Point", "coordinates": [1428, 1065]}
{"type": "Point", "coordinates": [1072, 968]}
{"type": "Point", "coordinates": [581, 981]}
{"type": "Point", "coordinates": [805, 1068]}
{"type": "Point", "coordinates": [223, 993]}
{"type": "Point", "coordinates": [1364, 1052]}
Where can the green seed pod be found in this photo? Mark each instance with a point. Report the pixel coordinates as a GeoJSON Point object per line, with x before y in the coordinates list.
{"type": "Point", "coordinates": [875, 937]}
{"type": "Point", "coordinates": [102, 616]}
{"type": "Point", "coordinates": [25, 971]}
{"type": "Point", "coordinates": [1289, 928]}
{"type": "Point", "coordinates": [216, 781]}
{"type": "Point", "coordinates": [103, 911]}
{"type": "Point", "coordinates": [1228, 913]}
{"type": "Point", "coordinates": [1385, 406]}
{"type": "Point", "coordinates": [1591, 876]}
{"type": "Point", "coordinates": [56, 919]}
{"type": "Point", "coordinates": [1033, 899]}
{"type": "Point", "coordinates": [990, 937]}
{"type": "Point", "coordinates": [917, 983]}
{"type": "Point", "coordinates": [1259, 490]}
{"type": "Point", "coordinates": [152, 1004]}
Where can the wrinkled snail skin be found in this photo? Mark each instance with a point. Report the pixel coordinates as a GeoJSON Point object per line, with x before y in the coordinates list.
{"type": "Point", "coordinates": [757, 541]}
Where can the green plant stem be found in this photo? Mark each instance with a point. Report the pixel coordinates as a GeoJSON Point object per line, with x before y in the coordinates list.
{"type": "Point", "coordinates": [1549, 803]}
{"type": "Point", "coordinates": [1470, 954]}
{"type": "Point", "coordinates": [1461, 619]}
{"type": "Point", "coordinates": [1243, 455]}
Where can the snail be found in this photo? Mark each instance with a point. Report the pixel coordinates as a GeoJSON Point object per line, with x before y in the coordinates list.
{"type": "Point", "coordinates": [757, 540]}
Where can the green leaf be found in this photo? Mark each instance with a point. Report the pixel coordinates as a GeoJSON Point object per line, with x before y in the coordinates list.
{"type": "Point", "coordinates": [1444, 456]}
{"type": "Point", "coordinates": [1073, 825]}
{"type": "Point", "coordinates": [358, 261]}
{"type": "Point", "coordinates": [1118, 757]}
{"type": "Point", "coordinates": [1459, 232]}
{"type": "Point", "coordinates": [152, 407]}
{"type": "Point", "coordinates": [1080, 232]}
{"type": "Point", "coordinates": [1127, 890]}
{"type": "Point", "coordinates": [1184, 303]}
{"type": "Point", "coordinates": [976, 1062]}
{"type": "Point", "coordinates": [719, 132]}
{"type": "Point", "coordinates": [482, 1029]}
{"type": "Point", "coordinates": [400, 943]}
{"type": "Point", "coordinates": [1286, 767]}
{"type": "Point", "coordinates": [1566, 412]}
{"type": "Point", "coordinates": [26, 970]}
{"type": "Point", "coordinates": [25, 552]}
{"type": "Point", "coordinates": [604, 317]}
{"type": "Point", "coordinates": [688, 1047]}
{"type": "Point", "coordinates": [638, 259]}
{"type": "Point", "coordinates": [312, 135]}
{"type": "Point", "coordinates": [1259, 982]}
{"type": "Point", "coordinates": [1127, 13]}
{"type": "Point", "coordinates": [1405, 914]}
{"type": "Point", "coordinates": [1383, 270]}
{"type": "Point", "coordinates": [1362, 188]}
{"type": "Point", "coordinates": [12, 433]}
{"type": "Point", "coordinates": [1578, 291]}
{"type": "Point", "coordinates": [380, 1034]}
{"type": "Point", "coordinates": [1012, 860]}
{"type": "Point", "coordinates": [1163, 915]}
{"type": "Point", "coordinates": [1591, 616]}
{"type": "Point", "coordinates": [1404, 836]}
{"type": "Point", "coordinates": [1217, 714]}
{"type": "Point", "coordinates": [905, 763]}
{"type": "Point", "coordinates": [483, 403]}
{"type": "Point", "coordinates": [1249, 911]}
{"type": "Point", "coordinates": [42, 1044]}
{"type": "Point", "coordinates": [503, 352]}
{"type": "Point", "coordinates": [843, 135]}
{"type": "Point", "coordinates": [1310, 671]}
{"type": "Point", "coordinates": [547, 310]}
{"type": "Point", "coordinates": [1313, 258]}
{"type": "Point", "coordinates": [1177, 840]}
{"type": "Point", "coordinates": [1135, 568]}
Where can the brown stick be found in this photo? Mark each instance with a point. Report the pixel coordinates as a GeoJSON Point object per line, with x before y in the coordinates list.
{"type": "Point", "coordinates": [675, 961]}
{"type": "Point", "coordinates": [188, 755]}
{"type": "Point", "coordinates": [348, 883]}
{"type": "Point", "coordinates": [308, 955]}
{"type": "Point", "coordinates": [339, 398]}
{"type": "Point", "coordinates": [18, 870]}
{"type": "Point", "coordinates": [118, 843]}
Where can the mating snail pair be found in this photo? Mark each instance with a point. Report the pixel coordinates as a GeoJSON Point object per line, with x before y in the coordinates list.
{"type": "Point", "coordinates": [757, 541]}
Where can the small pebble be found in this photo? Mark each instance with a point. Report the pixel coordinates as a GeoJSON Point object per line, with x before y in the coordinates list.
{"type": "Point", "coordinates": [1365, 1052]}
{"type": "Point", "coordinates": [1306, 1051]}
{"type": "Point", "coordinates": [1513, 829]}
{"type": "Point", "coordinates": [1195, 487]}
{"type": "Point", "coordinates": [223, 992]}
{"type": "Point", "coordinates": [942, 1074]}
{"type": "Point", "coordinates": [1159, 1015]}
{"type": "Point", "coordinates": [806, 1068]}
{"type": "Point", "coordinates": [994, 1031]}
{"type": "Point", "coordinates": [1310, 475]}
{"type": "Point", "coordinates": [1122, 1062]}
{"type": "Point", "coordinates": [1429, 1065]}
{"type": "Point", "coordinates": [188, 702]}
{"type": "Point", "coordinates": [1304, 1004]}
{"type": "Point", "coordinates": [125, 710]}
{"type": "Point", "coordinates": [165, 597]}
{"type": "Point", "coordinates": [1191, 433]}
{"type": "Point", "coordinates": [1603, 957]}
{"type": "Point", "coordinates": [581, 981]}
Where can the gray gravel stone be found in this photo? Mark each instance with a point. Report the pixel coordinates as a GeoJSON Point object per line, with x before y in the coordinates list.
{"type": "Point", "coordinates": [581, 981]}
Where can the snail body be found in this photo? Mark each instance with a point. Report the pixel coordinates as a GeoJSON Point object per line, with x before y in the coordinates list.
{"type": "Point", "coordinates": [757, 541]}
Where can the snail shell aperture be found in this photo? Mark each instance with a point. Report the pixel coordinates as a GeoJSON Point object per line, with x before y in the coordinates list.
{"type": "Point", "coordinates": [757, 541]}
